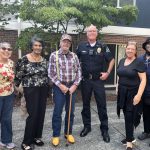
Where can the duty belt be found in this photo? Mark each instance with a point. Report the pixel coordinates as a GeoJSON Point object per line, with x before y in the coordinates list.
{"type": "Point", "coordinates": [91, 77]}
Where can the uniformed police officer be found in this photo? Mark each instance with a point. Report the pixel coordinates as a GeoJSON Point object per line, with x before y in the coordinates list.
{"type": "Point", "coordinates": [93, 56]}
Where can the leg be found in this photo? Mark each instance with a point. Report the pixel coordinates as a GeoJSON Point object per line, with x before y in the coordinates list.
{"type": "Point", "coordinates": [67, 113]}
{"type": "Point", "coordinates": [6, 119]}
{"type": "Point", "coordinates": [41, 111]}
{"type": "Point", "coordinates": [31, 96]}
{"type": "Point", "coordinates": [146, 118]}
{"type": "Point", "coordinates": [59, 101]}
{"type": "Point", "coordinates": [99, 93]}
{"type": "Point", "coordinates": [86, 91]}
{"type": "Point", "coordinates": [129, 127]}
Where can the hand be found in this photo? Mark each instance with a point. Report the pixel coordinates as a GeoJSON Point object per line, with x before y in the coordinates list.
{"type": "Point", "coordinates": [136, 99]}
{"type": "Point", "coordinates": [72, 89]}
{"type": "Point", "coordinates": [16, 90]}
{"type": "Point", "coordinates": [63, 88]}
{"type": "Point", "coordinates": [104, 75]}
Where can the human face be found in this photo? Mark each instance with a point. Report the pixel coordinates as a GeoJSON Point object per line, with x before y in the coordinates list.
{"type": "Point", "coordinates": [148, 47]}
{"type": "Point", "coordinates": [92, 33]}
{"type": "Point", "coordinates": [65, 45]}
{"type": "Point", "coordinates": [37, 47]}
{"type": "Point", "coordinates": [131, 51]}
{"type": "Point", "coordinates": [5, 51]}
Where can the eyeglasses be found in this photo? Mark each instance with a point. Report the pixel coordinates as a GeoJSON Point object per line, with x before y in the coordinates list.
{"type": "Point", "coordinates": [4, 48]}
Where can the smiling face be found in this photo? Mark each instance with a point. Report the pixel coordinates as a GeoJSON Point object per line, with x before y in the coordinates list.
{"type": "Point", "coordinates": [5, 50]}
{"type": "Point", "coordinates": [65, 45]}
{"type": "Point", "coordinates": [131, 50]}
{"type": "Point", "coordinates": [92, 33]}
{"type": "Point", "coordinates": [37, 47]}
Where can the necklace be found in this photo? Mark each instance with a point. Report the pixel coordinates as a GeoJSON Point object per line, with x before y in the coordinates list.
{"type": "Point", "coordinates": [36, 59]}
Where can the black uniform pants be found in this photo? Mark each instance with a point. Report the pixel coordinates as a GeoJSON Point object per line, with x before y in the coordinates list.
{"type": "Point", "coordinates": [36, 105]}
{"type": "Point", "coordinates": [87, 87]}
{"type": "Point", "coordinates": [146, 117]}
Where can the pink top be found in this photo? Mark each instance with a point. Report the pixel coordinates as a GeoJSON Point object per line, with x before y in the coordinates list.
{"type": "Point", "coordinates": [6, 78]}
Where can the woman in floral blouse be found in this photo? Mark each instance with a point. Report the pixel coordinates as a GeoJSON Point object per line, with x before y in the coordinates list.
{"type": "Point", "coordinates": [6, 95]}
{"type": "Point", "coordinates": [31, 71]}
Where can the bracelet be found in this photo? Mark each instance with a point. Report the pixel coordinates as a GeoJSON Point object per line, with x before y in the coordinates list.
{"type": "Point", "coordinates": [108, 72]}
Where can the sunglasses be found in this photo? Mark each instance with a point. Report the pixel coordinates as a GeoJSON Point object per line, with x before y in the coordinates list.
{"type": "Point", "coordinates": [4, 48]}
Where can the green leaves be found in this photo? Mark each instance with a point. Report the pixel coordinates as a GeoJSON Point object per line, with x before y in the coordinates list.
{"type": "Point", "coordinates": [6, 10]}
{"type": "Point", "coordinates": [49, 16]}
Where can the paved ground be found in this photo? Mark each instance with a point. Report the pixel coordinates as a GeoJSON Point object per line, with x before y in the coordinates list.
{"type": "Point", "coordinates": [93, 141]}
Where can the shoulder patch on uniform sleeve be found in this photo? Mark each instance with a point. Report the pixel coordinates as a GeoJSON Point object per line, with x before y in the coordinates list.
{"type": "Point", "coordinates": [107, 50]}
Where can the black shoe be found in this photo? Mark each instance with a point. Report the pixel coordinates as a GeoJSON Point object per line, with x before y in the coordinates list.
{"type": "Point", "coordinates": [38, 142]}
{"type": "Point", "coordinates": [144, 136]}
{"type": "Point", "coordinates": [85, 131]}
{"type": "Point", "coordinates": [129, 148]}
{"type": "Point", "coordinates": [106, 136]}
{"type": "Point", "coordinates": [26, 147]}
{"type": "Point", "coordinates": [124, 141]}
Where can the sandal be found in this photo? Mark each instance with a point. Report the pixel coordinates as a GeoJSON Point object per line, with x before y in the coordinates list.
{"type": "Point", "coordinates": [38, 142]}
{"type": "Point", "coordinates": [26, 147]}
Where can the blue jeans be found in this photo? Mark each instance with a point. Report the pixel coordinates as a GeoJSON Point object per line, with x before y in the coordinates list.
{"type": "Point", "coordinates": [59, 101]}
{"type": "Point", "coordinates": [6, 109]}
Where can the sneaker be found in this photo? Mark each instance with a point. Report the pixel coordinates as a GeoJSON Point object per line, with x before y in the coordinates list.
{"type": "Point", "coordinates": [124, 141]}
{"type": "Point", "coordinates": [10, 145]}
{"type": "Point", "coordinates": [143, 136]}
{"type": "Point", "coordinates": [2, 144]}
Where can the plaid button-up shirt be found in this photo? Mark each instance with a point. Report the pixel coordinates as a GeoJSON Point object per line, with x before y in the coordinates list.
{"type": "Point", "coordinates": [69, 68]}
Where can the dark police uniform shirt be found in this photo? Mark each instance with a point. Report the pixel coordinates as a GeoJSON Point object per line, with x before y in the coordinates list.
{"type": "Point", "coordinates": [93, 59]}
{"type": "Point", "coordinates": [128, 75]}
{"type": "Point", "coordinates": [147, 66]}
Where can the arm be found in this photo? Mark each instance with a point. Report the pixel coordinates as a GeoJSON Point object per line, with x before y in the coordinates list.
{"type": "Point", "coordinates": [77, 77]}
{"type": "Point", "coordinates": [18, 72]}
{"type": "Point", "coordinates": [142, 85]}
{"type": "Point", "coordinates": [52, 73]}
{"type": "Point", "coordinates": [104, 75]}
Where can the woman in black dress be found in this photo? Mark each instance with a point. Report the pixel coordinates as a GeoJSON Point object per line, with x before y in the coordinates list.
{"type": "Point", "coordinates": [131, 84]}
{"type": "Point", "coordinates": [31, 71]}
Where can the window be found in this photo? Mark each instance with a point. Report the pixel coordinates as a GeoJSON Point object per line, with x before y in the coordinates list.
{"type": "Point", "coordinates": [121, 3]}
{"type": "Point", "coordinates": [118, 52]}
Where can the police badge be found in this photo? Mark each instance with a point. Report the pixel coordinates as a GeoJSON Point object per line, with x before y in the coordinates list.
{"type": "Point", "coordinates": [99, 50]}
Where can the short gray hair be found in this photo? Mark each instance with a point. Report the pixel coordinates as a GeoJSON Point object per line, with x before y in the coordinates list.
{"type": "Point", "coordinates": [87, 28]}
{"type": "Point", "coordinates": [5, 44]}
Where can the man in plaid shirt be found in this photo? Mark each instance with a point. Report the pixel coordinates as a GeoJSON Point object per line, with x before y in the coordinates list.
{"type": "Point", "coordinates": [65, 72]}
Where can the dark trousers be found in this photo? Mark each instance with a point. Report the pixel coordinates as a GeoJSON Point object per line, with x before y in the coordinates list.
{"type": "Point", "coordinates": [6, 109]}
{"type": "Point", "coordinates": [129, 127]}
{"type": "Point", "coordinates": [59, 101]}
{"type": "Point", "coordinates": [36, 105]}
{"type": "Point", "coordinates": [146, 118]}
{"type": "Point", "coordinates": [87, 87]}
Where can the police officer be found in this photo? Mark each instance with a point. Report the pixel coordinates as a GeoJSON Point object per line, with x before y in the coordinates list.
{"type": "Point", "coordinates": [146, 96]}
{"type": "Point", "coordinates": [93, 56]}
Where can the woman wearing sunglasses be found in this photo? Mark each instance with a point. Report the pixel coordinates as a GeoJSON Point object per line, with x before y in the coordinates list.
{"type": "Point", "coordinates": [6, 95]}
